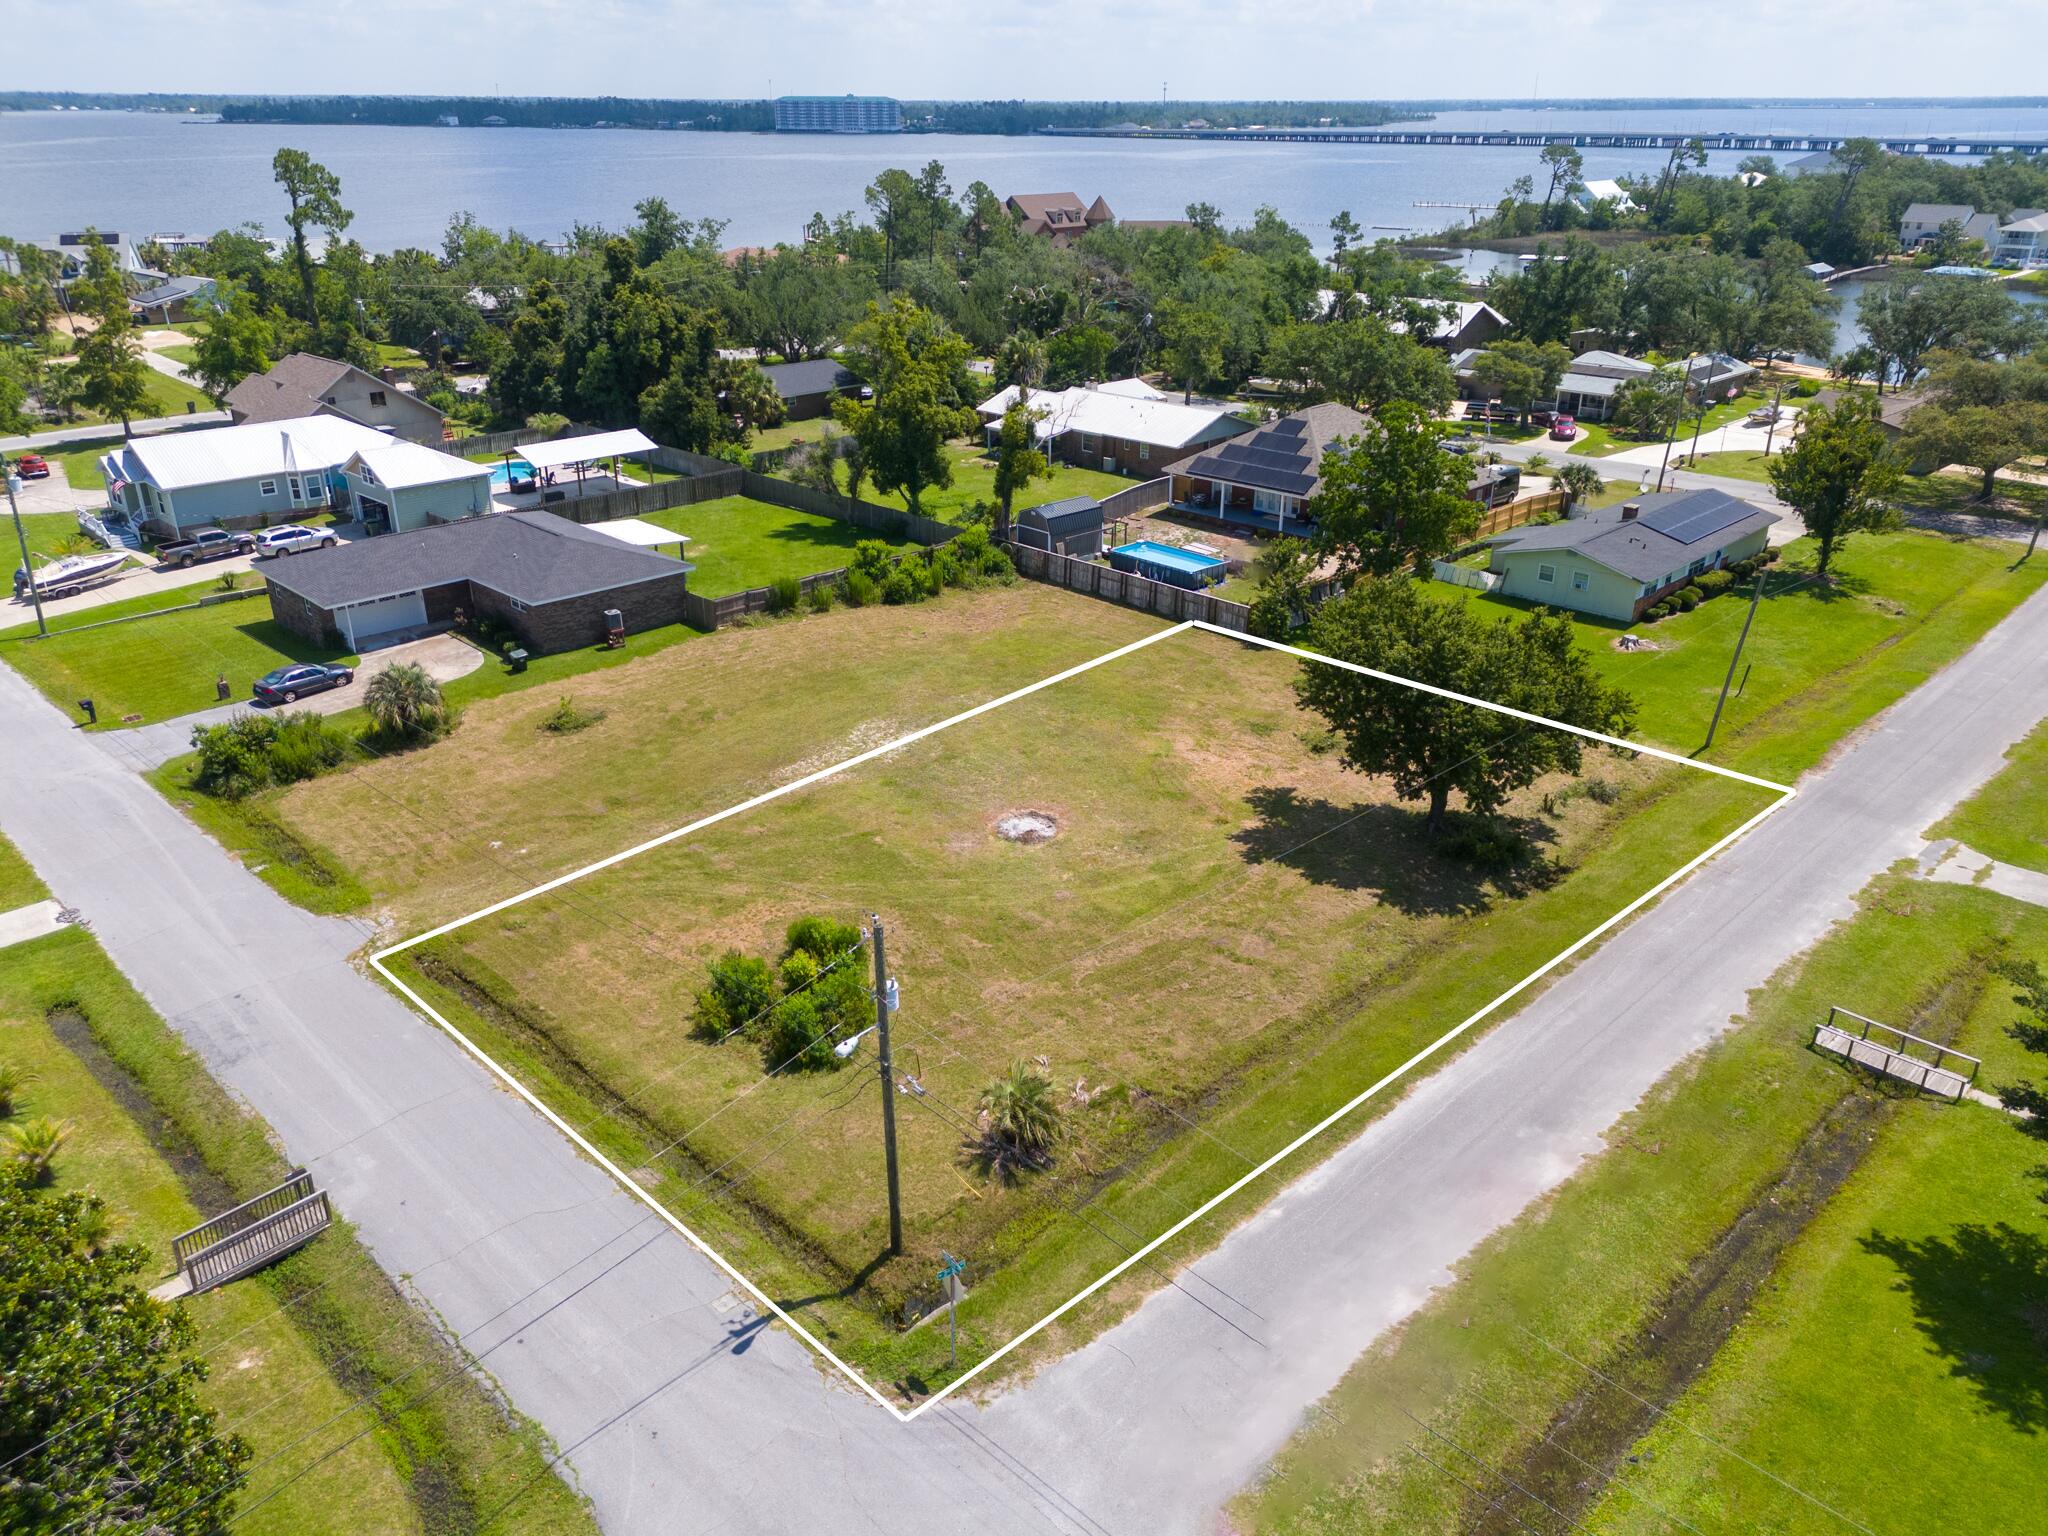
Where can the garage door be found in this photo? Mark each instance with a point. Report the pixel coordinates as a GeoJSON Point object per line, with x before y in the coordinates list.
{"type": "Point", "coordinates": [364, 622]}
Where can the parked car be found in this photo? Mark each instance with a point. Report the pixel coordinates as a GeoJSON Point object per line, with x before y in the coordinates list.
{"type": "Point", "coordinates": [1764, 415]}
{"type": "Point", "coordinates": [32, 466]}
{"type": "Point", "coordinates": [1563, 429]}
{"type": "Point", "coordinates": [200, 544]}
{"type": "Point", "coordinates": [287, 685]}
{"type": "Point", "coordinates": [290, 538]}
{"type": "Point", "coordinates": [1542, 416]}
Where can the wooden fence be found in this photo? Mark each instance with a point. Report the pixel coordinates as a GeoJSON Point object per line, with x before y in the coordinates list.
{"type": "Point", "coordinates": [1133, 591]}
{"type": "Point", "coordinates": [1138, 498]}
{"type": "Point", "coordinates": [1522, 510]}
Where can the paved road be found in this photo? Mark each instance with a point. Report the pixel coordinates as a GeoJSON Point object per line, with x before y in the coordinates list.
{"type": "Point", "coordinates": [679, 1414]}
{"type": "Point", "coordinates": [110, 434]}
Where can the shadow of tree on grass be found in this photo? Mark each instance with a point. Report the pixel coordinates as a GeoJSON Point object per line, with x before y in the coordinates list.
{"type": "Point", "coordinates": [1384, 849]}
{"type": "Point", "coordinates": [1980, 1294]}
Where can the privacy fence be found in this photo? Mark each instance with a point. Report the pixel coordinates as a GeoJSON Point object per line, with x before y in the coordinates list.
{"type": "Point", "coordinates": [1176, 603]}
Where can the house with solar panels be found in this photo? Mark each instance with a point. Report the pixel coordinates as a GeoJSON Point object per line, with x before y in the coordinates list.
{"type": "Point", "coordinates": [1617, 562]}
{"type": "Point", "coordinates": [1264, 479]}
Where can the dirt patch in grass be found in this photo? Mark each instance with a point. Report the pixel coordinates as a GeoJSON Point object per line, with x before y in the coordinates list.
{"type": "Point", "coordinates": [1027, 827]}
{"type": "Point", "coordinates": [1589, 1439]}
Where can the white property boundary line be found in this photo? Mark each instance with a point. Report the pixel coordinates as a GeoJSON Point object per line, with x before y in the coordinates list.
{"type": "Point", "coordinates": [626, 1182]}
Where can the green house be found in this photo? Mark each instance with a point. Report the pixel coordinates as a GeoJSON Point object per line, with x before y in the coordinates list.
{"type": "Point", "coordinates": [1616, 562]}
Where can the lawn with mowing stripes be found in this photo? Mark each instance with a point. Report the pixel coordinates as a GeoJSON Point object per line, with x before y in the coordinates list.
{"type": "Point", "coordinates": [738, 543]}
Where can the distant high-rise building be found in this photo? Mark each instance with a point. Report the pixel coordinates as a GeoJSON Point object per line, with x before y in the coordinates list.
{"type": "Point", "coordinates": [838, 114]}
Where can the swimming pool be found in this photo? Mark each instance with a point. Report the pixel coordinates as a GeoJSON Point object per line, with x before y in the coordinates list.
{"type": "Point", "coordinates": [504, 474]}
{"type": "Point", "coordinates": [1165, 562]}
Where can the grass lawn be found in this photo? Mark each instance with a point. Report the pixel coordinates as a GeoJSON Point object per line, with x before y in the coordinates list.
{"type": "Point", "coordinates": [183, 352]}
{"type": "Point", "coordinates": [18, 883]}
{"type": "Point", "coordinates": [82, 466]}
{"type": "Point", "coordinates": [79, 618]}
{"type": "Point", "coordinates": [1598, 439]}
{"type": "Point", "coordinates": [1736, 465]}
{"type": "Point", "coordinates": [2008, 818]}
{"type": "Point", "coordinates": [974, 479]}
{"type": "Point", "coordinates": [767, 439]}
{"type": "Point", "coordinates": [160, 668]}
{"type": "Point", "coordinates": [258, 1356]}
{"type": "Point", "coordinates": [392, 355]}
{"type": "Point", "coordinates": [46, 532]}
{"type": "Point", "coordinates": [166, 397]}
{"type": "Point", "coordinates": [1171, 946]}
{"type": "Point", "coordinates": [1942, 493]}
{"type": "Point", "coordinates": [140, 1101]}
{"type": "Point", "coordinates": [737, 542]}
{"type": "Point", "coordinates": [1870, 1348]}
{"type": "Point", "coordinates": [1819, 657]}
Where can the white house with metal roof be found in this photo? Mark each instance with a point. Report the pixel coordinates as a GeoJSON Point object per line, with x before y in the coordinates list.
{"type": "Point", "coordinates": [1590, 384]}
{"type": "Point", "coordinates": [244, 476]}
{"type": "Point", "coordinates": [396, 486]}
{"type": "Point", "coordinates": [1125, 426]}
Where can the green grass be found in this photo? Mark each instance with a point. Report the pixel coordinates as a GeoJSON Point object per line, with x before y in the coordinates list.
{"type": "Point", "coordinates": [47, 532]}
{"type": "Point", "coordinates": [295, 869]}
{"type": "Point", "coordinates": [160, 668]}
{"type": "Point", "coordinates": [2008, 817]}
{"type": "Point", "coordinates": [1735, 464]}
{"type": "Point", "coordinates": [812, 430]}
{"type": "Point", "coordinates": [259, 1357]}
{"type": "Point", "coordinates": [974, 480]}
{"type": "Point", "coordinates": [82, 466]}
{"type": "Point", "coordinates": [1598, 439]}
{"type": "Point", "coordinates": [127, 607]}
{"type": "Point", "coordinates": [166, 397]}
{"type": "Point", "coordinates": [183, 352]}
{"type": "Point", "coordinates": [18, 883]}
{"type": "Point", "coordinates": [1819, 658]}
{"type": "Point", "coordinates": [738, 543]}
{"type": "Point", "coordinates": [391, 355]}
{"type": "Point", "coordinates": [1832, 1383]}
{"type": "Point", "coordinates": [1940, 493]}
{"type": "Point", "coordinates": [431, 1459]}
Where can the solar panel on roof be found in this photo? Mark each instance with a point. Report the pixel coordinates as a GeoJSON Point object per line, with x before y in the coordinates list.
{"type": "Point", "coordinates": [1288, 427]}
{"type": "Point", "coordinates": [1698, 516]}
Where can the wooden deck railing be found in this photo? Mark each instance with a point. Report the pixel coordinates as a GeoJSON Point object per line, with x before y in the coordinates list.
{"type": "Point", "coordinates": [235, 1242]}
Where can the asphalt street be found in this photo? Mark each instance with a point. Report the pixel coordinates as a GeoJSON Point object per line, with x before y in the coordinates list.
{"type": "Point", "coordinates": [677, 1411]}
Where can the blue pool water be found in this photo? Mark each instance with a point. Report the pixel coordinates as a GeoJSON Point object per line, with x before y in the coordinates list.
{"type": "Point", "coordinates": [1153, 553]}
{"type": "Point", "coordinates": [505, 474]}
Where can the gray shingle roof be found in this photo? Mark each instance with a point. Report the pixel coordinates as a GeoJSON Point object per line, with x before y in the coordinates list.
{"type": "Point", "coordinates": [535, 557]}
{"type": "Point", "coordinates": [1674, 529]}
{"type": "Point", "coordinates": [819, 376]}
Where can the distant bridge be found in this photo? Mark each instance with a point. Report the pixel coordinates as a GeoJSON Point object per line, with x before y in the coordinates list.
{"type": "Point", "coordinates": [1516, 138]}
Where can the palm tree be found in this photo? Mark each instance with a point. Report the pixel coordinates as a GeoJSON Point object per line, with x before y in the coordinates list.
{"type": "Point", "coordinates": [1579, 482]}
{"type": "Point", "coordinates": [1022, 362]}
{"type": "Point", "coordinates": [405, 701]}
{"type": "Point", "coordinates": [34, 1144]}
{"type": "Point", "coordinates": [12, 1081]}
{"type": "Point", "coordinates": [93, 1232]}
{"type": "Point", "coordinates": [1019, 1121]}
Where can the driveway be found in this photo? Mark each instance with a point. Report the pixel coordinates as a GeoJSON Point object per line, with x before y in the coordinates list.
{"type": "Point", "coordinates": [677, 1414]}
{"type": "Point", "coordinates": [444, 656]}
{"type": "Point", "coordinates": [139, 580]}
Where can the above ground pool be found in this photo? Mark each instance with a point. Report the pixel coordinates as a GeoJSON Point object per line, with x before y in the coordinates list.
{"type": "Point", "coordinates": [1163, 562]}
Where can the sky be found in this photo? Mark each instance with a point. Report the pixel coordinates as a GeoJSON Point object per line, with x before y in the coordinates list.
{"type": "Point", "coordinates": [1044, 49]}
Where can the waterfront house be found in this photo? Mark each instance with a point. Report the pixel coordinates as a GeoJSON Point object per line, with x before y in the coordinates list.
{"type": "Point", "coordinates": [1124, 426]}
{"type": "Point", "coordinates": [1060, 217]}
{"type": "Point", "coordinates": [2023, 239]}
{"type": "Point", "coordinates": [1605, 191]}
{"type": "Point", "coordinates": [1620, 561]}
{"type": "Point", "coordinates": [1922, 222]}
{"type": "Point", "coordinates": [1589, 385]}
{"type": "Point", "coordinates": [1715, 376]}
{"type": "Point", "coordinates": [306, 384]}
{"type": "Point", "coordinates": [174, 299]}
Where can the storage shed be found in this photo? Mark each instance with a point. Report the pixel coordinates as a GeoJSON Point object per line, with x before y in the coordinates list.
{"type": "Point", "coordinates": [1072, 526]}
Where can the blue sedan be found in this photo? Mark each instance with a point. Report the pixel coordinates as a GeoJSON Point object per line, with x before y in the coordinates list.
{"type": "Point", "coordinates": [287, 685]}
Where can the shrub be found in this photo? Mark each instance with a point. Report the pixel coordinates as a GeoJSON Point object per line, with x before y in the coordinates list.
{"type": "Point", "coordinates": [234, 758]}
{"type": "Point", "coordinates": [820, 598]}
{"type": "Point", "coordinates": [794, 1037]}
{"type": "Point", "coordinates": [567, 717]}
{"type": "Point", "coordinates": [871, 559]}
{"type": "Point", "coordinates": [1485, 844]}
{"type": "Point", "coordinates": [304, 747]}
{"type": "Point", "coordinates": [824, 939]}
{"type": "Point", "coordinates": [899, 586]}
{"type": "Point", "coordinates": [1805, 389]}
{"type": "Point", "coordinates": [737, 990]}
{"type": "Point", "coordinates": [784, 593]}
{"type": "Point", "coordinates": [12, 1081]}
{"type": "Point", "coordinates": [1689, 599]}
{"type": "Point", "coordinates": [1019, 1121]}
{"type": "Point", "coordinates": [860, 589]}
{"type": "Point", "coordinates": [1714, 583]}
{"type": "Point", "coordinates": [33, 1146]}
{"type": "Point", "coordinates": [1603, 791]}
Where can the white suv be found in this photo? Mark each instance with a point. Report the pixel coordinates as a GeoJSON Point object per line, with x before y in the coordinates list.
{"type": "Point", "coordinates": [290, 538]}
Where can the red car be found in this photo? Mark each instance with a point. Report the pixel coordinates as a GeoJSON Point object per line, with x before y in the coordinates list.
{"type": "Point", "coordinates": [32, 466]}
{"type": "Point", "coordinates": [1564, 429]}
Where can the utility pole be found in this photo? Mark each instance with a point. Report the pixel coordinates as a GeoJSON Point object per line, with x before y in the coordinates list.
{"type": "Point", "coordinates": [888, 1071]}
{"type": "Point", "coordinates": [1771, 436]}
{"type": "Point", "coordinates": [28, 569]}
{"type": "Point", "coordinates": [1747, 620]}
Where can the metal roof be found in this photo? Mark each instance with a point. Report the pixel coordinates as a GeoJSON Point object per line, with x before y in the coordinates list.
{"type": "Point", "coordinates": [556, 452]}
{"type": "Point", "coordinates": [173, 461]}
{"type": "Point", "coordinates": [1067, 515]}
{"type": "Point", "coordinates": [398, 465]}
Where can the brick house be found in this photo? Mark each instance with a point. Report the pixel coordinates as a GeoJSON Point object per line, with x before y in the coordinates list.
{"type": "Point", "coordinates": [545, 578]}
{"type": "Point", "coordinates": [1125, 426]}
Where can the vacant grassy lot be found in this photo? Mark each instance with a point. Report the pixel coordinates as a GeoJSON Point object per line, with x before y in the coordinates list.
{"type": "Point", "coordinates": [2008, 818]}
{"type": "Point", "coordinates": [1820, 657]}
{"type": "Point", "coordinates": [1227, 925]}
{"type": "Point", "coordinates": [737, 542]}
{"type": "Point", "coordinates": [166, 397]}
{"type": "Point", "coordinates": [974, 480]}
{"type": "Point", "coordinates": [1598, 439]}
{"type": "Point", "coordinates": [162, 667]}
{"type": "Point", "coordinates": [1868, 1330]}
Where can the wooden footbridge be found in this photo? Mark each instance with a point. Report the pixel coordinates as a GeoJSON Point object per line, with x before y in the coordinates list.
{"type": "Point", "coordinates": [253, 1234]}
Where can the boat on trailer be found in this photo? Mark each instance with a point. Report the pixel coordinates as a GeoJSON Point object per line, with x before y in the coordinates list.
{"type": "Point", "coordinates": [67, 574]}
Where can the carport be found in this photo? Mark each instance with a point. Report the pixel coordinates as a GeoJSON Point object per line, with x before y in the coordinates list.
{"type": "Point", "coordinates": [638, 531]}
{"type": "Point", "coordinates": [580, 453]}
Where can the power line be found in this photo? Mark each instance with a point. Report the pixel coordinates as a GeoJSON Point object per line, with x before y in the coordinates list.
{"type": "Point", "coordinates": [1534, 1498]}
